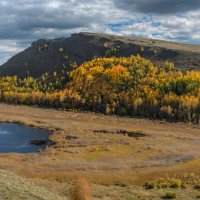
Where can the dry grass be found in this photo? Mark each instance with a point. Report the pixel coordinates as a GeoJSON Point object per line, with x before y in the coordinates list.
{"type": "Point", "coordinates": [109, 160]}
{"type": "Point", "coordinates": [80, 190]}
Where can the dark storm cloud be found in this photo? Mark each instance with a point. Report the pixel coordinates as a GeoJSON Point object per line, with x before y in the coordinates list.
{"type": "Point", "coordinates": [158, 6]}
{"type": "Point", "coordinates": [24, 21]}
{"type": "Point", "coordinates": [25, 18]}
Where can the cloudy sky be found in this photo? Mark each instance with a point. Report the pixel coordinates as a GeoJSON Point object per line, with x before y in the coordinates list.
{"type": "Point", "coordinates": [23, 21]}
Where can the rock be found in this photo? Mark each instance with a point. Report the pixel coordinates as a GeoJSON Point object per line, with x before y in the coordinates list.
{"type": "Point", "coordinates": [38, 142]}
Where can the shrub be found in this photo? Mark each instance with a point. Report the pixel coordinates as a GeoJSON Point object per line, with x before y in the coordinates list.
{"type": "Point", "coordinates": [150, 185]}
{"type": "Point", "coordinates": [184, 186]}
{"type": "Point", "coordinates": [197, 186]}
{"type": "Point", "coordinates": [163, 185]}
{"type": "Point", "coordinates": [170, 195]}
{"type": "Point", "coordinates": [175, 183]}
{"type": "Point", "coordinates": [80, 191]}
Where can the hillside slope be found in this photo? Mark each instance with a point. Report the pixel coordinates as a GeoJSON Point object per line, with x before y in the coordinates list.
{"type": "Point", "coordinates": [13, 187]}
{"type": "Point", "coordinates": [52, 55]}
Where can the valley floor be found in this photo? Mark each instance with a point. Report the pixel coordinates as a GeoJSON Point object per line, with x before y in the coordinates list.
{"type": "Point", "coordinates": [115, 155]}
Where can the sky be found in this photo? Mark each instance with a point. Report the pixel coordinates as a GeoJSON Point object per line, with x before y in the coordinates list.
{"type": "Point", "coordinates": [24, 21]}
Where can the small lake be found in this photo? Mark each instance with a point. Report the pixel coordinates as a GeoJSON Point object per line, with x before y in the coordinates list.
{"type": "Point", "coordinates": [22, 139]}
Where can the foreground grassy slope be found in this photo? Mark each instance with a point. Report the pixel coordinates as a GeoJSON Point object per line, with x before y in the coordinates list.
{"type": "Point", "coordinates": [16, 188]}
{"type": "Point", "coordinates": [13, 187]}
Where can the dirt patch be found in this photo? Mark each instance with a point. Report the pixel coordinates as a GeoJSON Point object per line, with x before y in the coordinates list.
{"type": "Point", "coordinates": [135, 134]}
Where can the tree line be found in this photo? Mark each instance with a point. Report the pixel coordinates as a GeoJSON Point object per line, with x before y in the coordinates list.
{"type": "Point", "coordinates": [130, 86]}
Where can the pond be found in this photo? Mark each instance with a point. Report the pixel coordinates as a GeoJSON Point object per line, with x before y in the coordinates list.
{"type": "Point", "coordinates": [22, 139]}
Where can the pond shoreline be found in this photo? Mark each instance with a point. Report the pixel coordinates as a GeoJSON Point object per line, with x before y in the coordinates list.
{"type": "Point", "coordinates": [18, 138]}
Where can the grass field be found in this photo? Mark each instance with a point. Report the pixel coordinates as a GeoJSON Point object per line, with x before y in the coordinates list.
{"type": "Point", "coordinates": [116, 156]}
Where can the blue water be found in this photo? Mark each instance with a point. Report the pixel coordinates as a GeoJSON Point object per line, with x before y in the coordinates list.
{"type": "Point", "coordinates": [16, 138]}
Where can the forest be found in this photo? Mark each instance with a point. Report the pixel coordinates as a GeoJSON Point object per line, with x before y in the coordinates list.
{"type": "Point", "coordinates": [124, 86]}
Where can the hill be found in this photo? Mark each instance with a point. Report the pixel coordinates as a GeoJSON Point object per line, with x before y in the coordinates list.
{"type": "Point", "coordinates": [52, 55]}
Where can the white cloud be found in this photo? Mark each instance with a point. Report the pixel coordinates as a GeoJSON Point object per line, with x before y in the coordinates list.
{"type": "Point", "coordinates": [8, 48]}
{"type": "Point", "coordinates": [23, 21]}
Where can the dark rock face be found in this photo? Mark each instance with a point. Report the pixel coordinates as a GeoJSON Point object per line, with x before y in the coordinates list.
{"type": "Point", "coordinates": [52, 55]}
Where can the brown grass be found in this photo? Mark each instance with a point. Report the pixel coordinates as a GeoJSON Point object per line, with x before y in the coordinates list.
{"type": "Point", "coordinates": [105, 160]}
{"type": "Point", "coordinates": [80, 190]}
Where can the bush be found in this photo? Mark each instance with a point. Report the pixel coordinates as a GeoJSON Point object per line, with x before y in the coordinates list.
{"type": "Point", "coordinates": [170, 195]}
{"type": "Point", "coordinates": [150, 185]}
{"type": "Point", "coordinates": [163, 185]}
{"type": "Point", "coordinates": [175, 183]}
{"type": "Point", "coordinates": [197, 186]}
{"type": "Point", "coordinates": [184, 186]}
{"type": "Point", "coordinates": [80, 191]}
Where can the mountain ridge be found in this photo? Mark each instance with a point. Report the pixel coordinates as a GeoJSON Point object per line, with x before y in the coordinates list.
{"type": "Point", "coordinates": [49, 55]}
